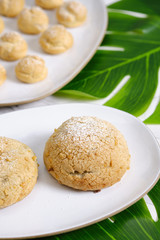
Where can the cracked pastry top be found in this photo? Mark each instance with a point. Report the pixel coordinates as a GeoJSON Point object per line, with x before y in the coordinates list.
{"type": "Point", "coordinates": [33, 20]}
{"type": "Point", "coordinates": [18, 171]}
{"type": "Point", "coordinates": [12, 46]}
{"type": "Point", "coordinates": [31, 69]}
{"type": "Point", "coordinates": [2, 74]}
{"type": "Point", "coordinates": [87, 153]}
{"type": "Point", "coordinates": [49, 4]}
{"type": "Point", "coordinates": [56, 39]}
{"type": "Point", "coordinates": [71, 14]}
{"type": "Point", "coordinates": [11, 8]}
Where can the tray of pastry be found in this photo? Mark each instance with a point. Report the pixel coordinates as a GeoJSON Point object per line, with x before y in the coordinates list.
{"type": "Point", "coordinates": [45, 44]}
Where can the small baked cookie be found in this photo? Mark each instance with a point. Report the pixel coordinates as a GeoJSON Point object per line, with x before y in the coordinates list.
{"type": "Point", "coordinates": [71, 14]}
{"type": "Point", "coordinates": [87, 153]}
{"type": "Point", "coordinates": [33, 21]}
{"type": "Point", "coordinates": [49, 4]}
{"type": "Point", "coordinates": [1, 25]}
{"type": "Point", "coordinates": [12, 46]}
{"type": "Point", "coordinates": [31, 69]}
{"type": "Point", "coordinates": [18, 171]}
{"type": "Point", "coordinates": [11, 8]}
{"type": "Point", "coordinates": [56, 39]}
{"type": "Point", "coordinates": [2, 74]}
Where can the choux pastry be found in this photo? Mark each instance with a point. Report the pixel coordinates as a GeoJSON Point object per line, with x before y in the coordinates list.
{"type": "Point", "coordinates": [1, 25]}
{"type": "Point", "coordinates": [31, 69]}
{"type": "Point", "coordinates": [56, 39]}
{"type": "Point", "coordinates": [33, 21]}
{"type": "Point", "coordinates": [18, 171]}
{"type": "Point", "coordinates": [2, 74]}
{"type": "Point", "coordinates": [12, 46]}
{"type": "Point", "coordinates": [11, 8]}
{"type": "Point", "coordinates": [49, 4]}
{"type": "Point", "coordinates": [71, 14]}
{"type": "Point", "coordinates": [87, 153]}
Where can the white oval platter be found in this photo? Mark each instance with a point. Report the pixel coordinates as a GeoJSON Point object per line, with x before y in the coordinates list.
{"type": "Point", "coordinates": [62, 68]}
{"type": "Point", "coordinates": [52, 208]}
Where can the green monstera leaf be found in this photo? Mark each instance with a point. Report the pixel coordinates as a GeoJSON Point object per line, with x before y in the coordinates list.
{"type": "Point", "coordinates": [155, 117]}
{"type": "Point", "coordinates": [132, 75]}
{"type": "Point", "coordinates": [138, 40]}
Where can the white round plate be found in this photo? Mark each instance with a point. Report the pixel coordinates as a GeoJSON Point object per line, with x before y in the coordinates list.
{"type": "Point", "coordinates": [52, 208]}
{"type": "Point", "coordinates": [63, 67]}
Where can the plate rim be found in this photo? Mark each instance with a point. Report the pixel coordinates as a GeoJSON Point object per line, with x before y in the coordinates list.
{"type": "Point", "coordinates": [107, 215]}
{"type": "Point", "coordinates": [89, 57]}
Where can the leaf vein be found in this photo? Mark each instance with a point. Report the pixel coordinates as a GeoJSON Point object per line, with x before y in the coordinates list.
{"type": "Point", "coordinates": [131, 60]}
{"type": "Point", "coordinates": [106, 231]}
{"type": "Point", "coordinates": [140, 225]}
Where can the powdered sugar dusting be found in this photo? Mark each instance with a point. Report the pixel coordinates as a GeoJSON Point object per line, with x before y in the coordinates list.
{"type": "Point", "coordinates": [1, 143]}
{"type": "Point", "coordinates": [11, 38]}
{"type": "Point", "coordinates": [29, 60]}
{"type": "Point", "coordinates": [65, 13]}
{"type": "Point", "coordinates": [36, 8]}
{"type": "Point", "coordinates": [12, 34]}
{"type": "Point", "coordinates": [54, 30]}
{"type": "Point", "coordinates": [6, 156]}
{"type": "Point", "coordinates": [72, 10]}
{"type": "Point", "coordinates": [33, 10]}
{"type": "Point", "coordinates": [76, 7]}
{"type": "Point", "coordinates": [86, 129]}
